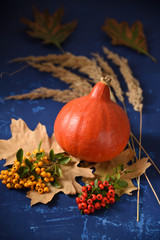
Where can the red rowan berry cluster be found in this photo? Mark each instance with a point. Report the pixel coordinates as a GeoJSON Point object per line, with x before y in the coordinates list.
{"type": "Point", "coordinates": [95, 195]}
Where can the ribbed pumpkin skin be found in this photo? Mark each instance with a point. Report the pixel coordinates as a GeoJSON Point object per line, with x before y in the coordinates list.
{"type": "Point", "coordinates": [92, 128]}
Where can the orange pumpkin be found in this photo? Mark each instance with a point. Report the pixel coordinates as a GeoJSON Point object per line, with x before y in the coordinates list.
{"type": "Point", "coordinates": [92, 128]}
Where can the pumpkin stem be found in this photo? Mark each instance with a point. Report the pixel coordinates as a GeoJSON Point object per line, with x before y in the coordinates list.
{"type": "Point", "coordinates": [106, 80]}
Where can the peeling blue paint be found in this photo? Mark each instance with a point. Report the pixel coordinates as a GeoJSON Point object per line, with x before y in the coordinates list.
{"type": "Point", "coordinates": [37, 109]}
{"type": "Point", "coordinates": [84, 235]}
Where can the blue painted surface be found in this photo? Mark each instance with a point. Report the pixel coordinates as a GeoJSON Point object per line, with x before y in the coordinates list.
{"type": "Point", "coordinates": [60, 219]}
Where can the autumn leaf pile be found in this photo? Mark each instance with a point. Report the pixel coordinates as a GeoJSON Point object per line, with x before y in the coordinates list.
{"type": "Point", "coordinates": [71, 169]}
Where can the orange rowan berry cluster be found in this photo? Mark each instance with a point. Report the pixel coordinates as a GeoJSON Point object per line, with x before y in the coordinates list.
{"type": "Point", "coordinates": [36, 170]}
{"type": "Point", "coordinates": [29, 173]}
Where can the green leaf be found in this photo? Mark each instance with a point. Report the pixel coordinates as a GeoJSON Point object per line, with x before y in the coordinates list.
{"type": "Point", "coordinates": [59, 171]}
{"type": "Point", "coordinates": [96, 183]}
{"type": "Point", "coordinates": [55, 183]}
{"type": "Point", "coordinates": [122, 183]}
{"type": "Point", "coordinates": [23, 170]}
{"type": "Point", "coordinates": [49, 28]}
{"type": "Point", "coordinates": [93, 189]}
{"type": "Point", "coordinates": [114, 169]}
{"type": "Point", "coordinates": [59, 155]}
{"type": "Point", "coordinates": [103, 193]}
{"type": "Point", "coordinates": [28, 163]}
{"type": "Point", "coordinates": [39, 145]}
{"type": "Point", "coordinates": [37, 161]}
{"type": "Point", "coordinates": [32, 168]}
{"type": "Point", "coordinates": [80, 194]}
{"type": "Point", "coordinates": [19, 155]}
{"type": "Point", "coordinates": [40, 155]}
{"type": "Point", "coordinates": [64, 160]}
{"type": "Point", "coordinates": [116, 185]}
{"type": "Point", "coordinates": [118, 176]}
{"type": "Point", "coordinates": [107, 206]}
{"type": "Point", "coordinates": [122, 167]}
{"type": "Point", "coordinates": [119, 168]}
{"type": "Point", "coordinates": [107, 177]}
{"type": "Point", "coordinates": [113, 177]}
{"type": "Point", "coordinates": [117, 198]}
{"type": "Point", "coordinates": [54, 169]}
{"type": "Point", "coordinates": [51, 155]}
{"type": "Point", "coordinates": [32, 155]}
{"type": "Point", "coordinates": [37, 176]}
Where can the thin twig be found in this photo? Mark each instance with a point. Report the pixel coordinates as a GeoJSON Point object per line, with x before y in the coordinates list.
{"type": "Point", "coordinates": [140, 134]}
{"type": "Point", "coordinates": [134, 148]}
{"type": "Point", "coordinates": [17, 71]}
{"type": "Point", "coordinates": [152, 188]}
{"type": "Point", "coordinates": [138, 179]}
{"type": "Point", "coordinates": [135, 155]}
{"type": "Point", "coordinates": [12, 73]}
{"type": "Point", "coordinates": [144, 173]}
{"type": "Point", "coordinates": [125, 109]}
{"type": "Point", "coordinates": [138, 193]}
{"type": "Point", "coordinates": [145, 153]}
{"type": "Point", "coordinates": [138, 182]}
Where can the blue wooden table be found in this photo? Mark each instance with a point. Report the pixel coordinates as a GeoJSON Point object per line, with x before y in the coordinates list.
{"type": "Point", "coordinates": [61, 219]}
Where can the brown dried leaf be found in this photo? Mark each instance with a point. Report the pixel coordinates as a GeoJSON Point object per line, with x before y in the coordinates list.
{"type": "Point", "coordinates": [68, 182]}
{"type": "Point", "coordinates": [138, 168]}
{"type": "Point", "coordinates": [49, 28]}
{"type": "Point", "coordinates": [23, 137]}
{"type": "Point", "coordinates": [132, 37]}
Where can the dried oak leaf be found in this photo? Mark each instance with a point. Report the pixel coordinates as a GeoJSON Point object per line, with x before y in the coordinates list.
{"type": "Point", "coordinates": [49, 28]}
{"type": "Point", "coordinates": [132, 37]}
{"type": "Point", "coordinates": [23, 137]}
{"type": "Point", "coordinates": [137, 168]}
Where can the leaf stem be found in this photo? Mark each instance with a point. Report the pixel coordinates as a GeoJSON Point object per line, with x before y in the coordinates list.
{"type": "Point", "coordinates": [60, 48]}
{"type": "Point", "coordinates": [151, 57]}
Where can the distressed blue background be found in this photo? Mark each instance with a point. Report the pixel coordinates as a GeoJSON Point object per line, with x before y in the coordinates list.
{"type": "Point", "coordinates": [60, 219]}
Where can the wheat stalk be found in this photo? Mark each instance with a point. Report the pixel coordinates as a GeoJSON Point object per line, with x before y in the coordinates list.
{"type": "Point", "coordinates": [134, 93]}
